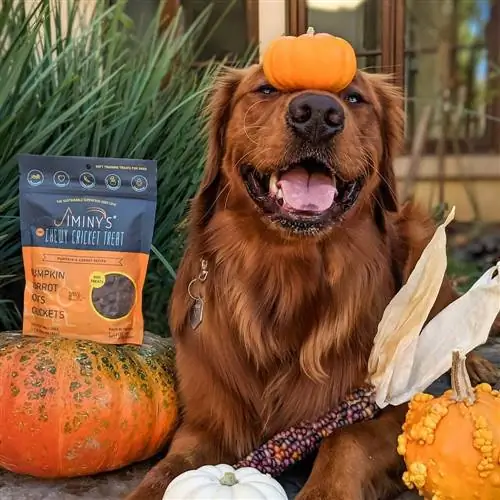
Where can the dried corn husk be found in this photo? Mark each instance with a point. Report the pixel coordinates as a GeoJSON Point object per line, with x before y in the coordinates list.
{"type": "Point", "coordinates": [406, 358]}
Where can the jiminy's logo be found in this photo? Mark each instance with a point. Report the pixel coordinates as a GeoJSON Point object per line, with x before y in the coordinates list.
{"type": "Point", "coordinates": [95, 218]}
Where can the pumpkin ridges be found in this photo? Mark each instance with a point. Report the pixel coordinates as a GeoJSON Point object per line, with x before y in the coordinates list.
{"type": "Point", "coordinates": [209, 482]}
{"type": "Point", "coordinates": [21, 374]}
{"type": "Point", "coordinates": [167, 400]}
{"type": "Point", "coordinates": [465, 444]}
{"type": "Point", "coordinates": [81, 363]}
{"type": "Point", "coordinates": [273, 57]}
{"type": "Point", "coordinates": [63, 367]}
{"type": "Point", "coordinates": [147, 386]}
{"type": "Point", "coordinates": [152, 437]}
{"type": "Point", "coordinates": [317, 61]}
{"type": "Point", "coordinates": [268, 63]}
{"type": "Point", "coordinates": [89, 426]}
{"type": "Point", "coordinates": [484, 436]}
{"type": "Point", "coordinates": [110, 365]}
{"type": "Point", "coordinates": [349, 60]}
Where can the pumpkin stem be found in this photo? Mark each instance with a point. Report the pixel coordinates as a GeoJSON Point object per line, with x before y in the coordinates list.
{"type": "Point", "coordinates": [228, 479]}
{"type": "Point", "coordinates": [310, 31]}
{"type": "Point", "coordinates": [460, 381]}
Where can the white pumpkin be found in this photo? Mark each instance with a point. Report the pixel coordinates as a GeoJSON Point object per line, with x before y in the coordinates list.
{"type": "Point", "coordinates": [223, 482]}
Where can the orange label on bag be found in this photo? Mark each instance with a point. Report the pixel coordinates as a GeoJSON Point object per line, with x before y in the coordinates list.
{"type": "Point", "coordinates": [66, 294]}
{"type": "Point", "coordinates": [86, 229]}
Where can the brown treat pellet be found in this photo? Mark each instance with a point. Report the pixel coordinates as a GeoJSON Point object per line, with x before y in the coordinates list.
{"type": "Point", "coordinates": [115, 299]}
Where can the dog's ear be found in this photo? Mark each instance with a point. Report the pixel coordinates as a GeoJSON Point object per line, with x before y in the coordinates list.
{"type": "Point", "coordinates": [392, 124]}
{"type": "Point", "coordinates": [218, 109]}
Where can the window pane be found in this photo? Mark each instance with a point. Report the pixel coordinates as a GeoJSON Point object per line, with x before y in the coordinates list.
{"type": "Point", "coordinates": [371, 63]}
{"type": "Point", "coordinates": [430, 28]}
{"type": "Point", "coordinates": [358, 21]}
{"type": "Point", "coordinates": [227, 28]}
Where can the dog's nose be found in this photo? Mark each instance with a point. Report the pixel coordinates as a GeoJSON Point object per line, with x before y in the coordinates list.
{"type": "Point", "coordinates": [315, 117]}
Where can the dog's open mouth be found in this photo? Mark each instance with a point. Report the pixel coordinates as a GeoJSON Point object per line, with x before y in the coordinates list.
{"type": "Point", "coordinates": [304, 196]}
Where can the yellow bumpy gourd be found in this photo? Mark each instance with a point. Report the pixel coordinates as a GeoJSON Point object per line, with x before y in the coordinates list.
{"type": "Point", "coordinates": [451, 443]}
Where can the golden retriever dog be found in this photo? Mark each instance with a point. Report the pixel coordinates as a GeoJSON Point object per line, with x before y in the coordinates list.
{"type": "Point", "coordinates": [296, 245]}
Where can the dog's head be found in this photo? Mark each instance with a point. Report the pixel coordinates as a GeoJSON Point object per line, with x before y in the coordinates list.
{"type": "Point", "coordinates": [302, 161]}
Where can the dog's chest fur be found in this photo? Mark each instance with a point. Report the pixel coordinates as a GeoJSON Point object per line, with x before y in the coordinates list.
{"type": "Point", "coordinates": [285, 334]}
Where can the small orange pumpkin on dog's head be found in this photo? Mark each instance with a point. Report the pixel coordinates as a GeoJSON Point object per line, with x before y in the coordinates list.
{"type": "Point", "coordinates": [317, 61]}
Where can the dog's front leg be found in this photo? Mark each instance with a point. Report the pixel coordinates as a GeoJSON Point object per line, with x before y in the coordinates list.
{"type": "Point", "coordinates": [190, 449]}
{"type": "Point", "coordinates": [359, 462]}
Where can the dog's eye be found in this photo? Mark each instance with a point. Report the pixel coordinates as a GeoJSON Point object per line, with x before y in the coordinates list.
{"type": "Point", "coordinates": [354, 98]}
{"type": "Point", "coordinates": [266, 89]}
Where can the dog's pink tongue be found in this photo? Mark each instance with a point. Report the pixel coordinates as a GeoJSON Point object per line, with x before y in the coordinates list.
{"type": "Point", "coordinates": [305, 192]}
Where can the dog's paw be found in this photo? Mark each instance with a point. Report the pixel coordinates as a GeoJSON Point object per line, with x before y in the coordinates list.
{"type": "Point", "coordinates": [481, 370]}
{"type": "Point", "coordinates": [152, 487]}
{"type": "Point", "coordinates": [314, 494]}
{"type": "Point", "coordinates": [321, 493]}
{"type": "Point", "coordinates": [145, 493]}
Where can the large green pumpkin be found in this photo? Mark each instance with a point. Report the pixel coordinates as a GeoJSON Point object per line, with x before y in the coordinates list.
{"type": "Point", "coordinates": [74, 407]}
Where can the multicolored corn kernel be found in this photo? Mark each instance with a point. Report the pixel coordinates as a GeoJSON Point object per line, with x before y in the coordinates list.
{"type": "Point", "coordinates": [291, 446]}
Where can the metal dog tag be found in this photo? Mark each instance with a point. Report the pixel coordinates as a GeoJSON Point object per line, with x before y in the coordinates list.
{"type": "Point", "coordinates": [196, 313]}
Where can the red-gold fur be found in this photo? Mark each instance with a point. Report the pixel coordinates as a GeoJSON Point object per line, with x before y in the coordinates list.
{"type": "Point", "coordinates": [289, 321]}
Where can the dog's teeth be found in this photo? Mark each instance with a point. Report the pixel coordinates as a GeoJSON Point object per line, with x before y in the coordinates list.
{"type": "Point", "coordinates": [273, 184]}
{"type": "Point", "coordinates": [279, 194]}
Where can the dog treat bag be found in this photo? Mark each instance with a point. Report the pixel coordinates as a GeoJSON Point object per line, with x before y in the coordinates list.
{"type": "Point", "coordinates": [86, 231]}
